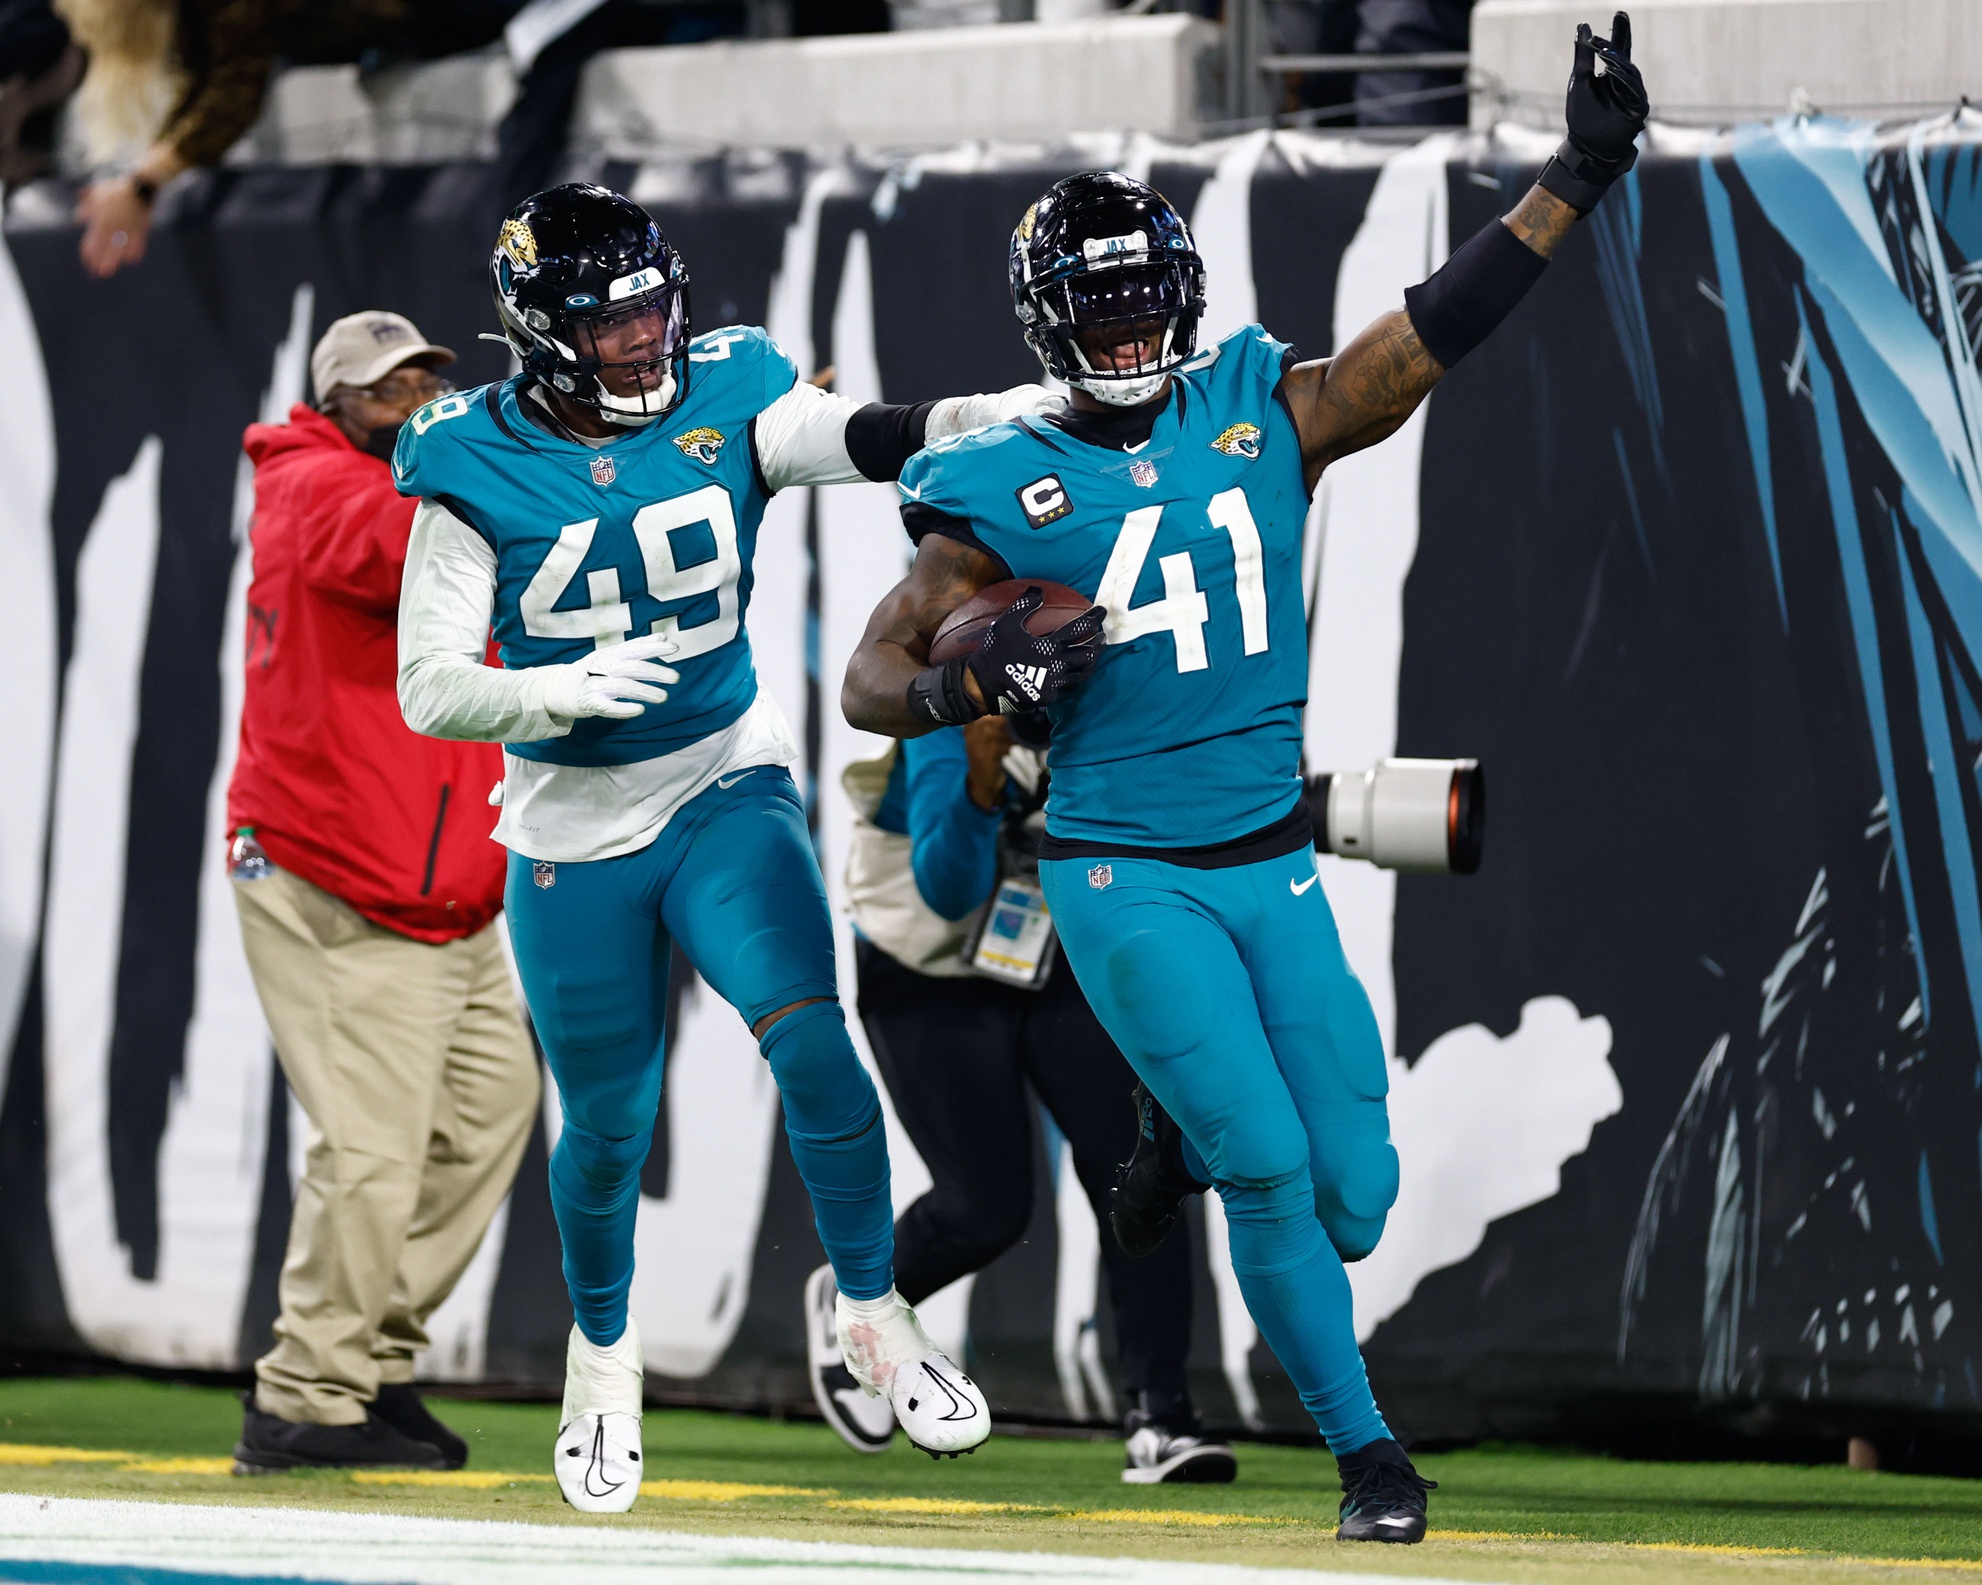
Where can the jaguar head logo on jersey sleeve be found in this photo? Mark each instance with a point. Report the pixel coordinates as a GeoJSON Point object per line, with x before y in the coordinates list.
{"type": "Point", "coordinates": [1241, 440]}
{"type": "Point", "coordinates": [702, 444]}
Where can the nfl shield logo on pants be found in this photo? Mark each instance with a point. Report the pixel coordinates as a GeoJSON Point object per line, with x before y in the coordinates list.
{"type": "Point", "coordinates": [1101, 877]}
{"type": "Point", "coordinates": [544, 873]}
{"type": "Point", "coordinates": [603, 471]}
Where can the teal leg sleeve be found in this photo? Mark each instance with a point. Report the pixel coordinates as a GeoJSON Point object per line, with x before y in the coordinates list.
{"type": "Point", "coordinates": [1155, 953]}
{"type": "Point", "coordinates": [833, 1121]}
{"type": "Point", "coordinates": [594, 965]}
{"type": "Point", "coordinates": [748, 905]}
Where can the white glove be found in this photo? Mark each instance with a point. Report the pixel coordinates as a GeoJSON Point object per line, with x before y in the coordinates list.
{"type": "Point", "coordinates": [955, 415]}
{"type": "Point", "coordinates": [619, 682]}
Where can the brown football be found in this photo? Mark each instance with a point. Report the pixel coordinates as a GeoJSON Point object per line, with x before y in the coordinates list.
{"type": "Point", "coordinates": [963, 629]}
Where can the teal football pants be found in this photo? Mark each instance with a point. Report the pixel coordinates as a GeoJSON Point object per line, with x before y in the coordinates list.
{"type": "Point", "coordinates": [1229, 993]}
{"type": "Point", "coordinates": [733, 878]}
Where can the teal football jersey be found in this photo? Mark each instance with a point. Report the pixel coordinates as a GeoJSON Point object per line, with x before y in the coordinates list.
{"type": "Point", "coordinates": [1187, 731]}
{"type": "Point", "coordinates": [653, 532]}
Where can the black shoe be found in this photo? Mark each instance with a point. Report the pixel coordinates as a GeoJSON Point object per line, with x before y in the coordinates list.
{"type": "Point", "coordinates": [865, 1423]}
{"type": "Point", "coordinates": [269, 1443]}
{"type": "Point", "coordinates": [1151, 1185]}
{"type": "Point", "coordinates": [399, 1406]}
{"type": "Point", "coordinates": [1383, 1497]}
{"type": "Point", "coordinates": [1162, 1454]}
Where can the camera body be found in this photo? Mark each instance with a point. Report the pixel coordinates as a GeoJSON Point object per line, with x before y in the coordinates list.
{"type": "Point", "coordinates": [1423, 815]}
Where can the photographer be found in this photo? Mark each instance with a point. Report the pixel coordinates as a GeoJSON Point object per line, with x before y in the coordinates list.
{"type": "Point", "coordinates": [368, 891]}
{"type": "Point", "coordinates": [964, 1008]}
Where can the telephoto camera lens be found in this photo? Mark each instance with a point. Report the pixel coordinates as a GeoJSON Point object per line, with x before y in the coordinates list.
{"type": "Point", "coordinates": [1422, 815]}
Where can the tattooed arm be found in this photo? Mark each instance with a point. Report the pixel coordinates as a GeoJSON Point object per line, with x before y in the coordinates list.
{"type": "Point", "coordinates": [895, 646]}
{"type": "Point", "coordinates": [1366, 391]}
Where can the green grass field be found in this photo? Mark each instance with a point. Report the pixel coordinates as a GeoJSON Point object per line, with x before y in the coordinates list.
{"type": "Point", "coordinates": [1507, 1513]}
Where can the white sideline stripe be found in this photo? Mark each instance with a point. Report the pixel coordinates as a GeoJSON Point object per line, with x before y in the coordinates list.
{"type": "Point", "coordinates": [355, 1547]}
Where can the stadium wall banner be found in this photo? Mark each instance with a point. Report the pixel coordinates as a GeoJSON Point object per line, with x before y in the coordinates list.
{"type": "Point", "coordinates": [1686, 1082]}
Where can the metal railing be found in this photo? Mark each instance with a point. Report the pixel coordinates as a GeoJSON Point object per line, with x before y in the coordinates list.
{"type": "Point", "coordinates": [1249, 69]}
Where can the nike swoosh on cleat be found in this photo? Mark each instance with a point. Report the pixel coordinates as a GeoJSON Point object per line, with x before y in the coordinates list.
{"type": "Point", "coordinates": [598, 1458]}
{"type": "Point", "coordinates": [1298, 887]}
{"type": "Point", "coordinates": [960, 1406]}
{"type": "Point", "coordinates": [727, 782]}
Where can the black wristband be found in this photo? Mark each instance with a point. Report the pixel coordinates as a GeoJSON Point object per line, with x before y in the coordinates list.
{"type": "Point", "coordinates": [1579, 178]}
{"type": "Point", "coordinates": [1472, 292]}
{"type": "Point", "coordinates": [937, 695]}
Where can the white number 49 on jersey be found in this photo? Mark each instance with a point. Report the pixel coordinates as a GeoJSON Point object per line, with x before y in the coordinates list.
{"type": "Point", "coordinates": [608, 617]}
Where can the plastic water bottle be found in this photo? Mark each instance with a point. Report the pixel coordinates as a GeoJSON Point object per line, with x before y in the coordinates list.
{"type": "Point", "coordinates": [246, 858]}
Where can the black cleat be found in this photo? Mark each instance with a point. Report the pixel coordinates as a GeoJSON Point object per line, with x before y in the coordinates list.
{"type": "Point", "coordinates": [400, 1407]}
{"type": "Point", "coordinates": [269, 1443]}
{"type": "Point", "coordinates": [1160, 1454]}
{"type": "Point", "coordinates": [1151, 1185]}
{"type": "Point", "coordinates": [1383, 1497]}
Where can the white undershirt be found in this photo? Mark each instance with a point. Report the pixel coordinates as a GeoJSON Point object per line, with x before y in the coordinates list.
{"type": "Point", "coordinates": [571, 813]}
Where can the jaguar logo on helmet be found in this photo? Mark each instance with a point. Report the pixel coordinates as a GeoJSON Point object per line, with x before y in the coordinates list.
{"type": "Point", "coordinates": [1026, 223]}
{"type": "Point", "coordinates": [1241, 440]}
{"type": "Point", "coordinates": [519, 242]}
{"type": "Point", "coordinates": [701, 444]}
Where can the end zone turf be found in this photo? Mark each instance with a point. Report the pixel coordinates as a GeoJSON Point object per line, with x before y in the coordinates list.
{"type": "Point", "coordinates": [1511, 1515]}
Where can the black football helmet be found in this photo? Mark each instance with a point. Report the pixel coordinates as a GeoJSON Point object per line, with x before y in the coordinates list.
{"type": "Point", "coordinates": [1099, 250]}
{"type": "Point", "coordinates": [594, 301]}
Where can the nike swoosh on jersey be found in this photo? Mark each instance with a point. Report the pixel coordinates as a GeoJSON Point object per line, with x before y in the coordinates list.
{"type": "Point", "coordinates": [727, 782]}
{"type": "Point", "coordinates": [1297, 887]}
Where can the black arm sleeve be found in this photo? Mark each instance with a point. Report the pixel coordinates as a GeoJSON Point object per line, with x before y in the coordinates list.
{"type": "Point", "coordinates": [1472, 292]}
{"type": "Point", "coordinates": [880, 438]}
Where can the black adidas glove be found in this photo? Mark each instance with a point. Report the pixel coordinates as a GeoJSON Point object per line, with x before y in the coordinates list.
{"type": "Point", "coordinates": [1017, 671]}
{"type": "Point", "coordinates": [1605, 115]}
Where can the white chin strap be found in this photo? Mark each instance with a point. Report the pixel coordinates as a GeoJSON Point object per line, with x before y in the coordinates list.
{"type": "Point", "coordinates": [632, 412]}
{"type": "Point", "coordinates": [1123, 393]}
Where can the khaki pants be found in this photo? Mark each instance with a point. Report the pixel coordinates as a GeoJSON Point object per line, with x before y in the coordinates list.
{"type": "Point", "coordinates": [421, 1087]}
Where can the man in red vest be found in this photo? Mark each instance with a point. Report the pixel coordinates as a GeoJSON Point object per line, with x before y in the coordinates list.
{"type": "Point", "coordinates": [368, 891]}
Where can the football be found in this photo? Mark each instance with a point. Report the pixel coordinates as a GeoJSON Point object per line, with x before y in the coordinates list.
{"type": "Point", "coordinates": [963, 629]}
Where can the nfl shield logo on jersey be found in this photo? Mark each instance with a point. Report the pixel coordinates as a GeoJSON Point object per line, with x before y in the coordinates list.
{"type": "Point", "coordinates": [1101, 877]}
{"type": "Point", "coordinates": [1143, 471]}
{"type": "Point", "coordinates": [544, 873]}
{"type": "Point", "coordinates": [604, 471]}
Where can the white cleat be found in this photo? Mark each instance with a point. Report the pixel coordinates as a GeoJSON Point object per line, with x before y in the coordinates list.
{"type": "Point", "coordinates": [597, 1456]}
{"type": "Point", "coordinates": [864, 1420]}
{"type": "Point", "coordinates": [937, 1406]}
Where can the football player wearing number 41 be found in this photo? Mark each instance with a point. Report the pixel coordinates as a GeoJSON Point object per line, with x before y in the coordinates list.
{"type": "Point", "coordinates": [601, 509]}
{"type": "Point", "coordinates": [1178, 859]}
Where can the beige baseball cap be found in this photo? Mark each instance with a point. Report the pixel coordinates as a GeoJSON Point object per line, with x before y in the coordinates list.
{"type": "Point", "coordinates": [361, 348]}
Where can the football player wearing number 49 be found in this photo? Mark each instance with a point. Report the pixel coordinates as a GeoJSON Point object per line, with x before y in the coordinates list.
{"type": "Point", "coordinates": [601, 509]}
{"type": "Point", "coordinates": [1178, 860]}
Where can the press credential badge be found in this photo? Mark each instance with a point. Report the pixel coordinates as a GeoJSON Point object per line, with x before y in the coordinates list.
{"type": "Point", "coordinates": [1016, 943]}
